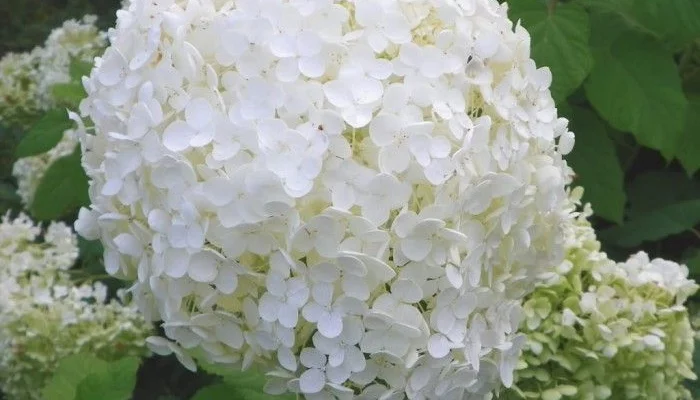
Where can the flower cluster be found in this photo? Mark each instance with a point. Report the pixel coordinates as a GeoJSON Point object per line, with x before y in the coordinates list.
{"type": "Point", "coordinates": [18, 79]}
{"type": "Point", "coordinates": [607, 330]}
{"type": "Point", "coordinates": [26, 79]}
{"type": "Point", "coordinates": [354, 194]}
{"type": "Point", "coordinates": [45, 317]}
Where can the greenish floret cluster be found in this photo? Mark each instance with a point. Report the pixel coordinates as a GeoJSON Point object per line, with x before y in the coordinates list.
{"type": "Point", "coordinates": [26, 78]}
{"type": "Point", "coordinates": [606, 330]}
{"type": "Point", "coordinates": [45, 317]}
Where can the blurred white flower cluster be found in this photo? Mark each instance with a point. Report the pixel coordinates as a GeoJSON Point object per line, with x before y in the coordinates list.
{"type": "Point", "coordinates": [355, 195]}
{"type": "Point", "coordinates": [603, 330]}
{"type": "Point", "coordinates": [45, 317]}
{"type": "Point", "coordinates": [26, 83]}
{"type": "Point", "coordinates": [26, 78]}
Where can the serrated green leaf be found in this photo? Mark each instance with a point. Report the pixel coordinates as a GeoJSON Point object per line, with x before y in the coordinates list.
{"type": "Point", "coordinates": [78, 69]}
{"type": "Point", "coordinates": [559, 41]}
{"type": "Point", "coordinates": [656, 189]}
{"type": "Point", "coordinates": [596, 165]}
{"type": "Point", "coordinates": [68, 94]}
{"type": "Point", "coordinates": [635, 86]}
{"type": "Point", "coordinates": [654, 225]}
{"type": "Point", "coordinates": [45, 134]}
{"type": "Point", "coordinates": [689, 143]}
{"type": "Point", "coordinates": [116, 382]}
{"type": "Point", "coordinates": [62, 190]}
{"type": "Point", "coordinates": [68, 375]}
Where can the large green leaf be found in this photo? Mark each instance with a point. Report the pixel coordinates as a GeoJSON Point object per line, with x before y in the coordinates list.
{"type": "Point", "coordinates": [596, 165]}
{"type": "Point", "coordinates": [689, 143]}
{"type": "Point", "coordinates": [45, 134]}
{"type": "Point", "coordinates": [68, 94]}
{"type": "Point", "coordinates": [635, 86]}
{"type": "Point", "coordinates": [68, 375]}
{"type": "Point", "coordinates": [559, 41]}
{"type": "Point", "coordinates": [244, 385]}
{"type": "Point", "coordinates": [677, 21]}
{"type": "Point", "coordinates": [116, 382]}
{"type": "Point", "coordinates": [654, 225]}
{"type": "Point", "coordinates": [78, 69]}
{"type": "Point", "coordinates": [62, 190]}
{"type": "Point", "coordinates": [659, 188]}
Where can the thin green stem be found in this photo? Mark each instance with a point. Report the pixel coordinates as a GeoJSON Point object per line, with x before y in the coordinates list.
{"type": "Point", "coordinates": [552, 6]}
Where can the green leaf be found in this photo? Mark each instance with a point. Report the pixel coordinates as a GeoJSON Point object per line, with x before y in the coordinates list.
{"type": "Point", "coordinates": [654, 225]}
{"type": "Point", "coordinates": [45, 134]}
{"type": "Point", "coordinates": [68, 375]}
{"type": "Point", "coordinates": [657, 189]}
{"type": "Point", "coordinates": [559, 41]}
{"type": "Point", "coordinates": [689, 144]}
{"type": "Point", "coordinates": [62, 190]}
{"type": "Point", "coordinates": [244, 385]}
{"type": "Point", "coordinates": [227, 391]}
{"type": "Point", "coordinates": [596, 165]}
{"type": "Point", "coordinates": [692, 261]}
{"type": "Point", "coordinates": [116, 382]}
{"type": "Point", "coordinates": [68, 94]}
{"type": "Point", "coordinates": [220, 391]}
{"type": "Point", "coordinates": [635, 86]}
{"type": "Point", "coordinates": [78, 69]}
{"type": "Point", "coordinates": [8, 198]}
{"type": "Point", "coordinates": [671, 20]}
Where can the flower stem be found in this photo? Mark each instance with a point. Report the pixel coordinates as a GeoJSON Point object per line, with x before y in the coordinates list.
{"type": "Point", "coordinates": [552, 6]}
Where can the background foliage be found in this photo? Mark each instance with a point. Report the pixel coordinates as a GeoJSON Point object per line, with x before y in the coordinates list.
{"type": "Point", "coordinates": [626, 74]}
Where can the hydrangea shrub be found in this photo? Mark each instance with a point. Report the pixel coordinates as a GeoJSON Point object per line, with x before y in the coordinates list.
{"type": "Point", "coordinates": [602, 329]}
{"type": "Point", "coordinates": [45, 317]}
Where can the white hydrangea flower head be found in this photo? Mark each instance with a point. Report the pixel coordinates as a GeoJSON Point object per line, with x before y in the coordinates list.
{"type": "Point", "coordinates": [29, 171]}
{"type": "Point", "coordinates": [355, 195]}
{"type": "Point", "coordinates": [601, 329]}
{"type": "Point", "coordinates": [26, 78]}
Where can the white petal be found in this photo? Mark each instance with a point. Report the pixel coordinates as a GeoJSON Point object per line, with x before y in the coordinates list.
{"type": "Point", "coordinates": [416, 249]}
{"type": "Point", "coordinates": [176, 262]}
{"type": "Point", "coordinates": [230, 334]}
{"type": "Point", "coordinates": [438, 346]}
{"type": "Point", "coordinates": [288, 316]}
{"type": "Point", "coordinates": [312, 358]}
{"type": "Point", "coordinates": [286, 359]}
{"type": "Point", "coordinates": [198, 113]}
{"type": "Point", "coordinates": [330, 325]}
{"type": "Point", "coordinates": [407, 291]}
{"type": "Point", "coordinates": [226, 281]}
{"type": "Point", "coordinates": [312, 381]}
{"type": "Point", "coordinates": [128, 244]}
{"type": "Point", "coordinates": [177, 136]}
{"type": "Point", "coordinates": [312, 67]}
{"type": "Point", "coordinates": [203, 267]}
